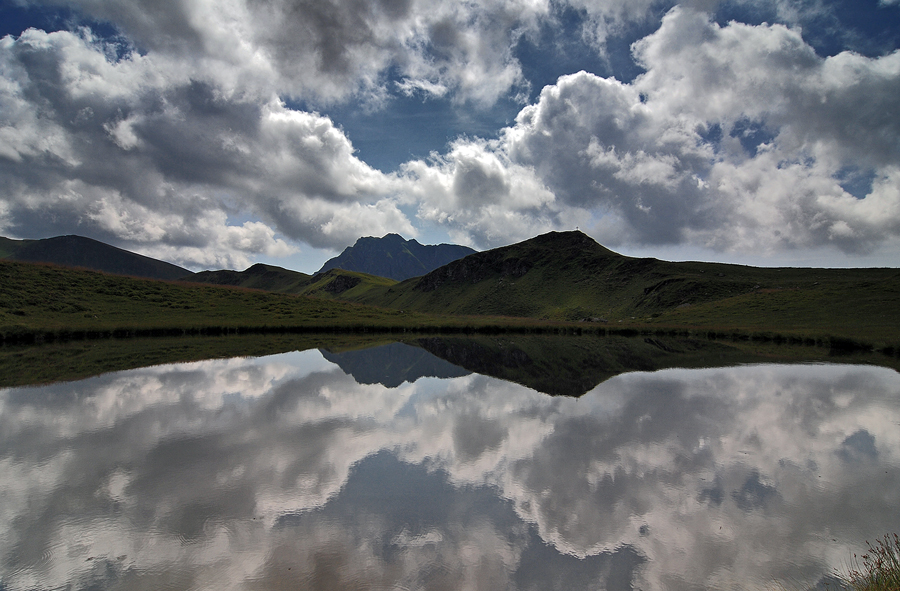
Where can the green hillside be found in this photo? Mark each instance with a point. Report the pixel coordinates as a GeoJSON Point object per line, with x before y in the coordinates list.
{"type": "Point", "coordinates": [537, 286]}
{"type": "Point", "coordinates": [259, 276]}
{"type": "Point", "coordinates": [348, 285]}
{"type": "Point", "coordinates": [567, 276]}
{"type": "Point", "coordinates": [78, 251]}
{"type": "Point", "coordinates": [39, 299]}
{"type": "Point", "coordinates": [329, 285]}
{"type": "Point", "coordinates": [8, 246]}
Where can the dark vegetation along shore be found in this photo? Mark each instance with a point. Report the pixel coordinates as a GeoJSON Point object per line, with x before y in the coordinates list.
{"type": "Point", "coordinates": [562, 283]}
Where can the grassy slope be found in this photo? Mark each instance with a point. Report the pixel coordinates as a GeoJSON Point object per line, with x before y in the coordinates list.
{"type": "Point", "coordinates": [86, 253]}
{"type": "Point", "coordinates": [856, 304]}
{"type": "Point", "coordinates": [36, 297]}
{"type": "Point", "coordinates": [349, 285]}
{"type": "Point", "coordinates": [8, 246]}
{"type": "Point", "coordinates": [552, 278]}
{"type": "Point", "coordinates": [280, 280]}
{"type": "Point", "coordinates": [43, 300]}
{"type": "Point", "coordinates": [259, 276]}
{"type": "Point", "coordinates": [568, 276]}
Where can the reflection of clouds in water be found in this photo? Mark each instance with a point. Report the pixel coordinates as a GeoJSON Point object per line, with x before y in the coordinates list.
{"type": "Point", "coordinates": [232, 471]}
{"type": "Point", "coordinates": [719, 463]}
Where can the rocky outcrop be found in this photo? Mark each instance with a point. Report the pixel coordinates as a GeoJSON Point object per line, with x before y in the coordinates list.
{"type": "Point", "coordinates": [342, 283]}
{"type": "Point", "coordinates": [394, 257]}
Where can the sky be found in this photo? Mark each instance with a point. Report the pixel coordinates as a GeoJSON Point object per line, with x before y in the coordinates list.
{"type": "Point", "coordinates": [216, 134]}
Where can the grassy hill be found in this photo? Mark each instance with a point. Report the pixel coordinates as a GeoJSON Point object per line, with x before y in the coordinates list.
{"type": "Point", "coordinates": [329, 285]}
{"type": "Point", "coordinates": [45, 300]}
{"type": "Point", "coordinates": [259, 276]}
{"type": "Point", "coordinates": [535, 286]}
{"type": "Point", "coordinates": [567, 276]}
{"type": "Point", "coordinates": [78, 251]}
{"type": "Point", "coordinates": [348, 285]}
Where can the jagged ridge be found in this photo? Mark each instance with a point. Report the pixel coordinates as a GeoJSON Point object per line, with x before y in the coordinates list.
{"type": "Point", "coordinates": [394, 257]}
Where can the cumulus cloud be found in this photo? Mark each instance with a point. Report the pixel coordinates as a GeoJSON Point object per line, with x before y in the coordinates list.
{"type": "Point", "coordinates": [333, 49]}
{"type": "Point", "coordinates": [482, 197]}
{"type": "Point", "coordinates": [824, 115]}
{"type": "Point", "coordinates": [328, 50]}
{"type": "Point", "coordinates": [736, 138]}
{"type": "Point", "coordinates": [170, 137]}
{"type": "Point", "coordinates": [134, 152]}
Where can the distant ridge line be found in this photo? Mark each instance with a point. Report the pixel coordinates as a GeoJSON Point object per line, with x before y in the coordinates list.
{"type": "Point", "coordinates": [80, 252]}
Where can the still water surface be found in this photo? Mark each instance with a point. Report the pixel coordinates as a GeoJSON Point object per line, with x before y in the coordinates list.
{"type": "Point", "coordinates": [285, 472]}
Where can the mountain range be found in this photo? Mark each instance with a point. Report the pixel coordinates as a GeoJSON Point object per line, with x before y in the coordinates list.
{"type": "Point", "coordinates": [558, 276]}
{"type": "Point", "coordinates": [391, 257]}
{"type": "Point", "coordinates": [370, 262]}
{"type": "Point", "coordinates": [569, 276]}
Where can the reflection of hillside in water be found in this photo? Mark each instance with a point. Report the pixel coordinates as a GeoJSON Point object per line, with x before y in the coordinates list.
{"type": "Point", "coordinates": [571, 366]}
{"type": "Point", "coordinates": [560, 365]}
{"type": "Point", "coordinates": [392, 364]}
{"type": "Point", "coordinates": [285, 472]}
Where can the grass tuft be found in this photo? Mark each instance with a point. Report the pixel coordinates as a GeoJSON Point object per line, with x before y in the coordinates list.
{"type": "Point", "coordinates": [878, 569]}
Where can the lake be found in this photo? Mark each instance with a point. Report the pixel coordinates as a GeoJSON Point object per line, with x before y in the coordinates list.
{"type": "Point", "coordinates": [391, 468]}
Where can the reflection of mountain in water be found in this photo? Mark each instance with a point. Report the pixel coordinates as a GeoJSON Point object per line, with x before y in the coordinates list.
{"type": "Point", "coordinates": [571, 366]}
{"type": "Point", "coordinates": [393, 364]}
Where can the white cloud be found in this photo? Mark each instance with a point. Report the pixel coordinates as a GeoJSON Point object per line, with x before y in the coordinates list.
{"type": "Point", "coordinates": [334, 49]}
{"type": "Point", "coordinates": [734, 139]}
{"type": "Point", "coordinates": [825, 114]}
{"type": "Point", "coordinates": [838, 106]}
{"type": "Point", "coordinates": [608, 18]}
{"type": "Point", "coordinates": [158, 163]}
{"type": "Point", "coordinates": [476, 191]}
{"type": "Point", "coordinates": [343, 225]}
